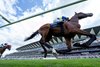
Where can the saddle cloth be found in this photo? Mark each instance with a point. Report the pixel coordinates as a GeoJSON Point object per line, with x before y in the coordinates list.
{"type": "Point", "coordinates": [57, 25]}
{"type": "Point", "coordinates": [54, 25]}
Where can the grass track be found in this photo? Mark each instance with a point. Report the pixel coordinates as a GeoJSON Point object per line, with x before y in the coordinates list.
{"type": "Point", "coordinates": [91, 62]}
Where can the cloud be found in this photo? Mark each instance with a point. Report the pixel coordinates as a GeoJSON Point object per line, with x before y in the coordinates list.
{"type": "Point", "coordinates": [7, 9]}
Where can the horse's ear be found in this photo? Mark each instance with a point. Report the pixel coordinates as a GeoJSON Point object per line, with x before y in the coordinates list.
{"type": "Point", "coordinates": [75, 13]}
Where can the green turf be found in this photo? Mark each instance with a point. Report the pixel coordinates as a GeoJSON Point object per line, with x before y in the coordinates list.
{"type": "Point", "coordinates": [91, 62]}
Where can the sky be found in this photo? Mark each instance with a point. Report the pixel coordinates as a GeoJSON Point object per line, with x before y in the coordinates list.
{"type": "Point", "coordinates": [15, 10]}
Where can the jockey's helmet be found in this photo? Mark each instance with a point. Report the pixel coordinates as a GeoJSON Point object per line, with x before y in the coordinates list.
{"type": "Point", "coordinates": [65, 18]}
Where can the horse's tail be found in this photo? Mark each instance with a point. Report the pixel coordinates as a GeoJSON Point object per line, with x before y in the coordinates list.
{"type": "Point", "coordinates": [31, 36]}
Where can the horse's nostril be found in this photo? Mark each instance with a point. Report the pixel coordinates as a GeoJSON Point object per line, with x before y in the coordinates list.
{"type": "Point", "coordinates": [90, 14]}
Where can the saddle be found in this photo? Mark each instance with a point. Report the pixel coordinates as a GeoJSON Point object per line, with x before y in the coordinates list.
{"type": "Point", "coordinates": [58, 25]}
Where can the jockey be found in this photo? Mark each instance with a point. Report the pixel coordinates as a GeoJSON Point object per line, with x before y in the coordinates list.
{"type": "Point", "coordinates": [2, 45]}
{"type": "Point", "coordinates": [60, 20]}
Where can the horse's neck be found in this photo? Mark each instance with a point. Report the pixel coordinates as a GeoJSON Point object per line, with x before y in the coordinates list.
{"type": "Point", "coordinates": [2, 50]}
{"type": "Point", "coordinates": [74, 19]}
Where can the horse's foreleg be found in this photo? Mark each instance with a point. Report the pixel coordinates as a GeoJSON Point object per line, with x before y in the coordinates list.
{"type": "Point", "coordinates": [92, 37]}
{"type": "Point", "coordinates": [68, 43]}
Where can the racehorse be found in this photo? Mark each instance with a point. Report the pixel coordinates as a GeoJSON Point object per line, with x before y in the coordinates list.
{"type": "Point", "coordinates": [70, 29]}
{"type": "Point", "coordinates": [6, 46]}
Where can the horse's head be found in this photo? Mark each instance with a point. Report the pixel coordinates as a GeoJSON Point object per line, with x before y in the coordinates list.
{"type": "Point", "coordinates": [7, 46]}
{"type": "Point", "coordinates": [82, 15]}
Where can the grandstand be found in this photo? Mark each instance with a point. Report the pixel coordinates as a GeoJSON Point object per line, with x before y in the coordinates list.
{"type": "Point", "coordinates": [34, 50]}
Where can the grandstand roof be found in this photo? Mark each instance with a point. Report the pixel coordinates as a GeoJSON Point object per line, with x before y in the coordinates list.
{"type": "Point", "coordinates": [56, 40]}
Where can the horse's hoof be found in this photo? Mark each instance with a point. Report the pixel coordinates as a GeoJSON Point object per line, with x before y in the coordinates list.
{"type": "Point", "coordinates": [54, 51]}
{"type": "Point", "coordinates": [55, 54]}
{"type": "Point", "coordinates": [25, 40]}
{"type": "Point", "coordinates": [84, 45]}
{"type": "Point", "coordinates": [68, 50]}
{"type": "Point", "coordinates": [77, 45]}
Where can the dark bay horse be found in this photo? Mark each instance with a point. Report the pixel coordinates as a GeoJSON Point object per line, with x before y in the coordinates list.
{"type": "Point", "coordinates": [71, 28]}
{"type": "Point", "coordinates": [6, 46]}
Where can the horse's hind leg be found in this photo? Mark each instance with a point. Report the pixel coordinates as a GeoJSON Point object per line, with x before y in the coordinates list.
{"type": "Point", "coordinates": [92, 38]}
{"type": "Point", "coordinates": [43, 33]}
{"type": "Point", "coordinates": [54, 52]}
{"type": "Point", "coordinates": [43, 41]}
{"type": "Point", "coordinates": [43, 44]}
{"type": "Point", "coordinates": [0, 55]}
{"type": "Point", "coordinates": [45, 51]}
